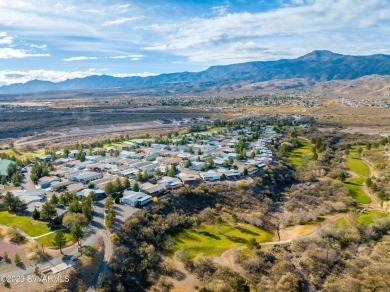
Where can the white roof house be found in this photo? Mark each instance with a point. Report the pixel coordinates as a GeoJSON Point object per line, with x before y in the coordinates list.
{"type": "Point", "coordinates": [170, 182]}
{"type": "Point", "coordinates": [132, 198]}
{"type": "Point", "coordinates": [210, 175]}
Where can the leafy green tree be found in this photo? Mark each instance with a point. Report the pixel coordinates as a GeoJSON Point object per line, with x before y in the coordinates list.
{"type": "Point", "coordinates": [110, 217]}
{"type": "Point", "coordinates": [135, 187]}
{"type": "Point", "coordinates": [59, 240]}
{"type": "Point", "coordinates": [239, 284]}
{"type": "Point", "coordinates": [187, 163]}
{"type": "Point", "coordinates": [70, 219]}
{"type": "Point", "coordinates": [48, 212]}
{"type": "Point", "coordinates": [17, 259]}
{"type": "Point", "coordinates": [126, 183]}
{"type": "Point", "coordinates": [3, 180]}
{"type": "Point", "coordinates": [54, 200]}
{"type": "Point", "coordinates": [77, 233]}
{"type": "Point", "coordinates": [109, 188]}
{"type": "Point", "coordinates": [86, 206]}
{"type": "Point", "coordinates": [109, 202]}
{"type": "Point", "coordinates": [35, 214]}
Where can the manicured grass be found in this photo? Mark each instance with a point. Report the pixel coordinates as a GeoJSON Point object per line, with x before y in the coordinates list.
{"type": "Point", "coordinates": [27, 224]}
{"type": "Point", "coordinates": [354, 185]}
{"type": "Point", "coordinates": [296, 156]}
{"type": "Point", "coordinates": [48, 239]}
{"type": "Point", "coordinates": [355, 164]}
{"type": "Point", "coordinates": [207, 241]}
{"type": "Point", "coordinates": [372, 216]}
{"type": "Point", "coordinates": [355, 189]}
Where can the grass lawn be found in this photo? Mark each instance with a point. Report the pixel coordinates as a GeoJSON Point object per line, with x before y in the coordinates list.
{"type": "Point", "coordinates": [372, 216]}
{"type": "Point", "coordinates": [27, 224]}
{"type": "Point", "coordinates": [355, 164]}
{"type": "Point", "coordinates": [207, 241]}
{"type": "Point", "coordinates": [296, 156]}
{"type": "Point", "coordinates": [24, 155]}
{"type": "Point", "coordinates": [354, 185]}
{"type": "Point", "coordinates": [48, 239]}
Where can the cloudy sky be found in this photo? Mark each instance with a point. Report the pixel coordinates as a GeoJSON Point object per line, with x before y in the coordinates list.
{"type": "Point", "coordinates": [55, 40]}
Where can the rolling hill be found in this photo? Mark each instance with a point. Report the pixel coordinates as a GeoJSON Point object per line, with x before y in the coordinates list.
{"type": "Point", "coordinates": [317, 66]}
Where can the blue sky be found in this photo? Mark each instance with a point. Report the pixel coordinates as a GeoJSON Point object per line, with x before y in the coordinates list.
{"type": "Point", "coordinates": [55, 40]}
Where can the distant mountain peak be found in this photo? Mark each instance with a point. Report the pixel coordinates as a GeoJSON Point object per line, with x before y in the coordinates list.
{"type": "Point", "coordinates": [320, 55]}
{"type": "Point", "coordinates": [316, 66]}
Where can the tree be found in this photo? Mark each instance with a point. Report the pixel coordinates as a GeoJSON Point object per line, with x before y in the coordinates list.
{"type": "Point", "coordinates": [110, 217]}
{"type": "Point", "coordinates": [218, 221]}
{"type": "Point", "coordinates": [48, 212]}
{"type": "Point", "coordinates": [77, 233]}
{"type": "Point", "coordinates": [74, 206]}
{"type": "Point", "coordinates": [16, 179]}
{"type": "Point", "coordinates": [54, 200]}
{"type": "Point", "coordinates": [109, 202]}
{"type": "Point", "coordinates": [126, 183]}
{"type": "Point", "coordinates": [253, 244]}
{"type": "Point", "coordinates": [36, 271]}
{"type": "Point", "coordinates": [5, 256]}
{"type": "Point", "coordinates": [342, 176]}
{"type": "Point", "coordinates": [157, 172]}
{"type": "Point", "coordinates": [187, 163]}
{"type": "Point", "coordinates": [70, 219]}
{"type": "Point", "coordinates": [93, 197]}
{"type": "Point", "coordinates": [35, 214]}
{"type": "Point", "coordinates": [3, 180]}
{"type": "Point", "coordinates": [14, 203]}
{"type": "Point", "coordinates": [109, 188]}
{"type": "Point", "coordinates": [360, 150]}
{"type": "Point", "coordinates": [17, 259]}
{"type": "Point", "coordinates": [59, 240]}
{"type": "Point", "coordinates": [239, 284]}
{"type": "Point", "coordinates": [245, 171]}
{"type": "Point", "coordinates": [86, 206]}
{"type": "Point", "coordinates": [135, 187]}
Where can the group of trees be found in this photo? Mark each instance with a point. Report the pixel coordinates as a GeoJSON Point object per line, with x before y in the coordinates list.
{"type": "Point", "coordinates": [40, 169]}
{"type": "Point", "coordinates": [117, 186]}
{"type": "Point", "coordinates": [14, 203]}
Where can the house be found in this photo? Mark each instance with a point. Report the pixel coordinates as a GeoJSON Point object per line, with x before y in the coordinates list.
{"type": "Point", "coordinates": [153, 190]}
{"type": "Point", "coordinates": [134, 198]}
{"type": "Point", "coordinates": [229, 173]}
{"type": "Point", "coordinates": [210, 175]}
{"type": "Point", "coordinates": [84, 177]}
{"type": "Point", "coordinates": [74, 188]}
{"type": "Point", "coordinates": [46, 181]}
{"type": "Point", "coordinates": [86, 192]}
{"type": "Point", "coordinates": [189, 179]}
{"type": "Point", "coordinates": [170, 182]}
{"type": "Point", "coordinates": [58, 186]}
{"type": "Point", "coordinates": [43, 158]}
{"type": "Point", "coordinates": [4, 165]}
{"type": "Point", "coordinates": [33, 199]}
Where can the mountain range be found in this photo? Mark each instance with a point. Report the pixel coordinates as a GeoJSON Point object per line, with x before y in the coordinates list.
{"type": "Point", "coordinates": [317, 66]}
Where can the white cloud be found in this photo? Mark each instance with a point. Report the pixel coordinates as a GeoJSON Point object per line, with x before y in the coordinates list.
{"type": "Point", "coordinates": [134, 57]}
{"type": "Point", "coordinates": [80, 58]}
{"type": "Point", "coordinates": [9, 53]}
{"type": "Point", "coordinates": [42, 47]}
{"type": "Point", "coordinates": [121, 20]}
{"type": "Point", "coordinates": [16, 76]}
{"type": "Point", "coordinates": [5, 39]}
{"type": "Point", "coordinates": [287, 31]}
